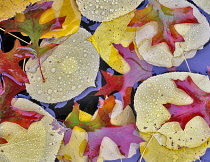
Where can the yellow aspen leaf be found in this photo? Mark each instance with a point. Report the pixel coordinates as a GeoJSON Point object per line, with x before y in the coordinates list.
{"type": "Point", "coordinates": [204, 4]}
{"type": "Point", "coordinates": [40, 142]}
{"type": "Point", "coordinates": [68, 70]}
{"type": "Point", "coordinates": [74, 149]}
{"type": "Point", "coordinates": [10, 7]}
{"type": "Point", "coordinates": [153, 151]}
{"type": "Point", "coordinates": [100, 10]}
{"type": "Point", "coordinates": [117, 32]}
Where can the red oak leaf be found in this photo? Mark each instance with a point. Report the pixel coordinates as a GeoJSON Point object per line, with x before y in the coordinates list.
{"type": "Point", "coordinates": [11, 114]}
{"type": "Point", "coordinates": [139, 71]}
{"type": "Point", "coordinates": [9, 63]}
{"type": "Point", "coordinates": [33, 29]}
{"type": "Point", "coordinates": [166, 19]}
{"type": "Point", "coordinates": [200, 106]}
{"type": "Point", "coordinates": [101, 127]}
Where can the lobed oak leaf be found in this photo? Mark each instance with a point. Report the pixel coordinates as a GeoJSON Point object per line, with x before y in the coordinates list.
{"type": "Point", "coordinates": [199, 107]}
{"type": "Point", "coordinates": [9, 63]}
{"type": "Point", "coordinates": [139, 71]}
{"type": "Point", "coordinates": [166, 18]}
{"type": "Point", "coordinates": [12, 114]}
{"type": "Point", "coordinates": [30, 26]}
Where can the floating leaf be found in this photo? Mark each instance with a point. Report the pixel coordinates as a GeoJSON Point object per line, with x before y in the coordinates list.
{"type": "Point", "coordinates": [151, 101]}
{"type": "Point", "coordinates": [9, 63]}
{"type": "Point", "coordinates": [69, 152]}
{"type": "Point", "coordinates": [199, 107]}
{"type": "Point", "coordinates": [40, 142]}
{"type": "Point", "coordinates": [195, 36]}
{"type": "Point", "coordinates": [139, 71]}
{"type": "Point", "coordinates": [100, 127]}
{"type": "Point", "coordinates": [71, 68]}
{"type": "Point", "coordinates": [97, 10]}
{"type": "Point", "coordinates": [117, 32]}
{"type": "Point", "coordinates": [12, 114]}
{"type": "Point", "coordinates": [30, 26]}
{"type": "Point", "coordinates": [156, 152]}
{"type": "Point", "coordinates": [166, 18]}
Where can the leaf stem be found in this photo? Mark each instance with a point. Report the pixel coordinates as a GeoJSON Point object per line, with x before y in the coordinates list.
{"type": "Point", "coordinates": [15, 36]}
{"type": "Point", "coordinates": [141, 158]}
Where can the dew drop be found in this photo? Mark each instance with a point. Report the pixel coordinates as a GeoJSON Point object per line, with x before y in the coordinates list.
{"type": "Point", "coordinates": [73, 87]}
{"type": "Point", "coordinates": [49, 91]}
{"type": "Point", "coordinates": [53, 70]}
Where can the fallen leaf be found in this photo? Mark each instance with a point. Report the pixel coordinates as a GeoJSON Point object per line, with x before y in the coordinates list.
{"type": "Point", "coordinates": [195, 36]}
{"type": "Point", "coordinates": [9, 113]}
{"type": "Point", "coordinates": [150, 102]}
{"type": "Point", "coordinates": [10, 7]}
{"type": "Point", "coordinates": [166, 18]}
{"type": "Point", "coordinates": [97, 10]}
{"type": "Point", "coordinates": [199, 107]}
{"type": "Point", "coordinates": [9, 63]}
{"type": "Point", "coordinates": [30, 26]}
{"type": "Point", "coordinates": [69, 152]}
{"type": "Point", "coordinates": [62, 8]}
{"type": "Point", "coordinates": [117, 32]}
{"type": "Point", "coordinates": [40, 142]}
{"type": "Point", "coordinates": [139, 71]}
{"type": "Point", "coordinates": [100, 126]}
{"type": "Point", "coordinates": [68, 71]}
{"type": "Point", "coordinates": [156, 152]}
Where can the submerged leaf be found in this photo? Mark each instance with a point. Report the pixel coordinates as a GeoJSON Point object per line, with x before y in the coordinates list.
{"type": "Point", "coordinates": [100, 10]}
{"type": "Point", "coordinates": [71, 68]}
